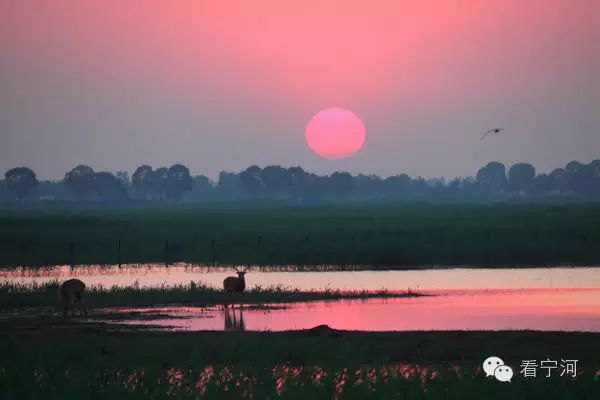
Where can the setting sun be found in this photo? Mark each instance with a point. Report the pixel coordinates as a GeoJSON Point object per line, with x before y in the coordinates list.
{"type": "Point", "coordinates": [335, 133]}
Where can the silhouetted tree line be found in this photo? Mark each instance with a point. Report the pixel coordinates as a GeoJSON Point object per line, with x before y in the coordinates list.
{"type": "Point", "coordinates": [576, 181]}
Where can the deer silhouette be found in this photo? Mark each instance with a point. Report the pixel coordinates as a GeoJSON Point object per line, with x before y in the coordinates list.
{"type": "Point", "coordinates": [233, 284]}
{"type": "Point", "coordinates": [71, 296]}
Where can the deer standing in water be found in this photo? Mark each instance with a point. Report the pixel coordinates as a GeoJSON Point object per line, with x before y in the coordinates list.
{"type": "Point", "coordinates": [233, 284]}
{"type": "Point", "coordinates": [71, 293]}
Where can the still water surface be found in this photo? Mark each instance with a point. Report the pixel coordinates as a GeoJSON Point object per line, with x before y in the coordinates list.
{"type": "Point", "coordinates": [537, 309]}
{"type": "Point", "coordinates": [565, 299]}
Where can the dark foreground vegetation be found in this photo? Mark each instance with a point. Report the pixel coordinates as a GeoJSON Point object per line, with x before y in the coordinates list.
{"type": "Point", "coordinates": [51, 358]}
{"type": "Point", "coordinates": [377, 236]}
{"type": "Point", "coordinates": [46, 295]}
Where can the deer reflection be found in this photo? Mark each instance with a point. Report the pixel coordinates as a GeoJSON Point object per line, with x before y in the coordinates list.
{"type": "Point", "coordinates": [232, 322]}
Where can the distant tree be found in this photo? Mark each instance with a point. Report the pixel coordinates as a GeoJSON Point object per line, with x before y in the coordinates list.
{"type": "Point", "coordinates": [492, 176]}
{"type": "Point", "coordinates": [202, 188]}
{"type": "Point", "coordinates": [341, 184]}
{"type": "Point", "coordinates": [159, 183]}
{"type": "Point", "coordinates": [436, 183]}
{"type": "Point", "coordinates": [521, 177]}
{"type": "Point", "coordinates": [4, 192]}
{"type": "Point", "coordinates": [595, 168]}
{"type": "Point", "coordinates": [398, 185]}
{"type": "Point", "coordinates": [419, 186]}
{"type": "Point", "coordinates": [595, 177]}
{"type": "Point", "coordinates": [108, 187]}
{"type": "Point", "coordinates": [179, 180]}
{"type": "Point", "coordinates": [49, 191]}
{"type": "Point", "coordinates": [141, 181]}
{"type": "Point", "coordinates": [576, 180]}
{"type": "Point", "coordinates": [203, 182]}
{"type": "Point", "coordinates": [251, 183]}
{"type": "Point", "coordinates": [296, 173]}
{"type": "Point", "coordinates": [301, 182]}
{"type": "Point", "coordinates": [542, 183]}
{"type": "Point", "coordinates": [574, 167]}
{"type": "Point", "coordinates": [559, 180]}
{"type": "Point", "coordinates": [317, 187]}
{"type": "Point", "coordinates": [123, 176]}
{"type": "Point", "coordinates": [368, 186]}
{"type": "Point", "coordinates": [21, 182]}
{"type": "Point", "coordinates": [455, 185]}
{"type": "Point", "coordinates": [469, 188]}
{"type": "Point", "coordinates": [277, 180]}
{"type": "Point", "coordinates": [228, 185]}
{"type": "Point", "coordinates": [80, 180]}
{"type": "Point", "coordinates": [579, 177]}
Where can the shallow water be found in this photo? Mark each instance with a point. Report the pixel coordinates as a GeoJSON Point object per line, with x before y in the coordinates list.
{"type": "Point", "coordinates": [536, 309]}
{"type": "Point", "coordinates": [564, 299]}
{"type": "Point", "coordinates": [424, 280]}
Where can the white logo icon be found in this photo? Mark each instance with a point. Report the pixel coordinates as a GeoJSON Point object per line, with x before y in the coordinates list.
{"type": "Point", "coordinates": [503, 373]}
{"type": "Point", "coordinates": [490, 364]}
{"type": "Point", "coordinates": [494, 366]}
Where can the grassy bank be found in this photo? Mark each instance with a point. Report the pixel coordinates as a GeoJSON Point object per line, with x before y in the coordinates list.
{"type": "Point", "coordinates": [46, 295]}
{"type": "Point", "coordinates": [54, 359]}
{"type": "Point", "coordinates": [408, 235]}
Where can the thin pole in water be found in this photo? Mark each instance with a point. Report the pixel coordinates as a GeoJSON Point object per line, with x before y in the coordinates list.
{"type": "Point", "coordinates": [119, 252]}
{"type": "Point", "coordinates": [71, 252]}
{"type": "Point", "coordinates": [259, 244]}
{"type": "Point", "coordinates": [212, 252]}
{"type": "Point", "coordinates": [166, 253]}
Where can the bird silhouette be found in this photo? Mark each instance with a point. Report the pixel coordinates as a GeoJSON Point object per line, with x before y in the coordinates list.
{"type": "Point", "coordinates": [493, 131]}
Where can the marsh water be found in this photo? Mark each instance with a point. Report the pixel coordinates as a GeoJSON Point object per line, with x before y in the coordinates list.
{"type": "Point", "coordinates": [562, 299]}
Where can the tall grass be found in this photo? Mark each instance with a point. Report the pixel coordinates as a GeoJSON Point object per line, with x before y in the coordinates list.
{"type": "Point", "coordinates": [284, 381]}
{"type": "Point", "coordinates": [378, 236]}
{"type": "Point", "coordinates": [41, 358]}
{"type": "Point", "coordinates": [46, 295]}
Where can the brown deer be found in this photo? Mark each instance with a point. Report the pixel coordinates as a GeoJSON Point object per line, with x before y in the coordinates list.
{"type": "Point", "coordinates": [233, 284]}
{"type": "Point", "coordinates": [71, 293]}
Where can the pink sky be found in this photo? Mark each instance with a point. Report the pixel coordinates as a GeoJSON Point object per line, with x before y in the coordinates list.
{"type": "Point", "coordinates": [116, 84]}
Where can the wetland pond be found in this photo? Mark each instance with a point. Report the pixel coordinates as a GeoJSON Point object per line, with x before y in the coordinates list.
{"type": "Point", "coordinates": [553, 299]}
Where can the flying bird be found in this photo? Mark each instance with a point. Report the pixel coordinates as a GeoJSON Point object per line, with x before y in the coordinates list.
{"type": "Point", "coordinates": [493, 131]}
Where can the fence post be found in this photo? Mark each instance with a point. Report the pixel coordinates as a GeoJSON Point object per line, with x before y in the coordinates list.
{"type": "Point", "coordinates": [488, 248]}
{"type": "Point", "coordinates": [119, 253]}
{"type": "Point", "coordinates": [166, 253]}
{"type": "Point", "coordinates": [260, 255]}
{"type": "Point", "coordinates": [71, 252]}
{"type": "Point", "coordinates": [212, 252]}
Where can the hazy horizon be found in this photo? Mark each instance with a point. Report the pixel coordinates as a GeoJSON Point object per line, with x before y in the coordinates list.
{"type": "Point", "coordinates": [223, 86]}
{"type": "Point", "coordinates": [215, 178]}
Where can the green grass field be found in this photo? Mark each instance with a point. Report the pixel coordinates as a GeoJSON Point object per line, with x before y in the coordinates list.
{"type": "Point", "coordinates": [373, 236]}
